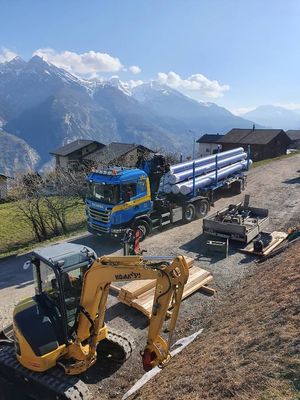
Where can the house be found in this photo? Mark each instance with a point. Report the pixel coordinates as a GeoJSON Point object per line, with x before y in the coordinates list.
{"type": "Point", "coordinates": [294, 135]}
{"type": "Point", "coordinates": [3, 186]}
{"type": "Point", "coordinates": [124, 154]}
{"type": "Point", "coordinates": [264, 143]}
{"type": "Point", "coordinates": [208, 144]}
{"type": "Point", "coordinates": [72, 155]}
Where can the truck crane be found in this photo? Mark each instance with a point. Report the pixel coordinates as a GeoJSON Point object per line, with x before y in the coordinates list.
{"type": "Point", "coordinates": [61, 329]}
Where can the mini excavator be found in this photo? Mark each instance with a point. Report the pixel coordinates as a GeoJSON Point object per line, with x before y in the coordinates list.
{"type": "Point", "coordinates": [59, 331]}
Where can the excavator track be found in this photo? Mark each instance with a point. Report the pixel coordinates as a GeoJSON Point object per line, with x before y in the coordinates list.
{"type": "Point", "coordinates": [118, 346]}
{"type": "Point", "coordinates": [21, 383]}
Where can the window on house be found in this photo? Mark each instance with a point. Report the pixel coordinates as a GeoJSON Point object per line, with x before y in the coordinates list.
{"type": "Point", "coordinates": [207, 150]}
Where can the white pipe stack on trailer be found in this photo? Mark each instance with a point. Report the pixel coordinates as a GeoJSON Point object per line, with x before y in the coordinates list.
{"type": "Point", "coordinates": [180, 179]}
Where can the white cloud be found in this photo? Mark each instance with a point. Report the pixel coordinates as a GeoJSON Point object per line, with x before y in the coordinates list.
{"type": "Point", "coordinates": [6, 55]}
{"type": "Point", "coordinates": [194, 83]}
{"type": "Point", "coordinates": [89, 63]}
{"type": "Point", "coordinates": [242, 110]}
{"type": "Point", "coordinates": [135, 69]}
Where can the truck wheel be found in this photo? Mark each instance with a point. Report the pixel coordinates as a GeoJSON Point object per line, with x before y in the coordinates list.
{"type": "Point", "coordinates": [143, 227]}
{"type": "Point", "coordinates": [189, 213]}
{"type": "Point", "coordinates": [202, 208]}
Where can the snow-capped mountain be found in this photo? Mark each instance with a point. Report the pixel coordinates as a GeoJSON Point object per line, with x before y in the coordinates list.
{"type": "Point", "coordinates": [275, 117]}
{"type": "Point", "coordinates": [46, 106]}
{"type": "Point", "coordinates": [175, 107]}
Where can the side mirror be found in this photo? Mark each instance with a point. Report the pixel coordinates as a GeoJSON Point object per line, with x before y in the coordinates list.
{"type": "Point", "coordinates": [27, 265]}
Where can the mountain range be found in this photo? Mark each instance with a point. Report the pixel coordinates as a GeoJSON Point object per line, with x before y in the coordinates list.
{"type": "Point", "coordinates": [43, 106]}
{"type": "Point", "coordinates": [274, 117]}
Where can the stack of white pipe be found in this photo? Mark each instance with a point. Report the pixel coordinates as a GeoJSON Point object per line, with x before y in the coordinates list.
{"type": "Point", "coordinates": [180, 178]}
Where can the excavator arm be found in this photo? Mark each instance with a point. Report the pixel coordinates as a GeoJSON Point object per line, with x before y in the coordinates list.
{"type": "Point", "coordinates": [91, 329]}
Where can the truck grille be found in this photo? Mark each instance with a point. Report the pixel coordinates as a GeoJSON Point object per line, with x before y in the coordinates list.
{"type": "Point", "coordinates": [101, 229]}
{"type": "Point", "coordinates": [99, 215]}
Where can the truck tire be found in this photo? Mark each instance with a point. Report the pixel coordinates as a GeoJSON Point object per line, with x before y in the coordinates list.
{"type": "Point", "coordinates": [144, 228]}
{"type": "Point", "coordinates": [189, 213]}
{"type": "Point", "coordinates": [202, 208]}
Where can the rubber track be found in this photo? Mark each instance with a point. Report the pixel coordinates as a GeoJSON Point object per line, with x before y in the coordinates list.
{"type": "Point", "coordinates": [53, 384]}
{"type": "Point", "coordinates": [123, 340]}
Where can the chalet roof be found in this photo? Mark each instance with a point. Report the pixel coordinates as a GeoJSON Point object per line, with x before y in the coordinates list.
{"type": "Point", "coordinates": [73, 146]}
{"type": "Point", "coordinates": [115, 150]}
{"type": "Point", "coordinates": [250, 136]}
{"type": "Point", "coordinates": [208, 138]}
{"type": "Point", "coordinates": [293, 134]}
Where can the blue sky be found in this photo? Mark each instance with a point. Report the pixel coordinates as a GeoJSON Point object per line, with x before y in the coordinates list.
{"type": "Point", "coordinates": [236, 53]}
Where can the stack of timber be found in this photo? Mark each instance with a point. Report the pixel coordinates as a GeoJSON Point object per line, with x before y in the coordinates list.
{"type": "Point", "coordinates": [140, 294]}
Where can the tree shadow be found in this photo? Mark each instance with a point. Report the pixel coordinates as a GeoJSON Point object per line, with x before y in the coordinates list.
{"type": "Point", "coordinates": [293, 181]}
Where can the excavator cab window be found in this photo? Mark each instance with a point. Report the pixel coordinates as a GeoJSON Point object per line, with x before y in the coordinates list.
{"type": "Point", "coordinates": [65, 286]}
{"type": "Point", "coordinates": [72, 285]}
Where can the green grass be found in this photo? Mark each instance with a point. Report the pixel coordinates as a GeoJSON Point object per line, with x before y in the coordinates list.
{"type": "Point", "coordinates": [263, 162]}
{"type": "Point", "coordinates": [16, 234]}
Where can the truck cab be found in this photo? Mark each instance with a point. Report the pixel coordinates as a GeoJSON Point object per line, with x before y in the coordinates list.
{"type": "Point", "coordinates": [116, 198]}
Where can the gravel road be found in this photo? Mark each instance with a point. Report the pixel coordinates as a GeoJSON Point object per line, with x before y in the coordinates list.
{"type": "Point", "coordinates": [275, 186]}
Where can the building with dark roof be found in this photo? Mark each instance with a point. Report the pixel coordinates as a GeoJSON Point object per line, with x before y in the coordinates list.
{"type": "Point", "coordinates": [72, 155]}
{"type": "Point", "coordinates": [208, 144]}
{"type": "Point", "coordinates": [115, 153]}
{"type": "Point", "coordinates": [264, 143]}
{"type": "Point", "coordinates": [294, 136]}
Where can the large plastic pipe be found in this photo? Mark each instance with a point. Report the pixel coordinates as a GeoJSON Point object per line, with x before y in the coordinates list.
{"type": "Point", "coordinates": [205, 160]}
{"type": "Point", "coordinates": [207, 180]}
{"type": "Point", "coordinates": [183, 175]}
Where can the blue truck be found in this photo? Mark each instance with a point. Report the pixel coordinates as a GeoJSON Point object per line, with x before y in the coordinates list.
{"type": "Point", "coordinates": [122, 198]}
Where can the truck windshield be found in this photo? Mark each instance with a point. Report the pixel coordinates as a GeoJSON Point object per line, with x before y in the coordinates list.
{"type": "Point", "coordinates": [106, 193]}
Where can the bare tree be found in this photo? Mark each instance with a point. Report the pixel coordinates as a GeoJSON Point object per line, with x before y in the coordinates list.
{"type": "Point", "coordinates": [45, 200]}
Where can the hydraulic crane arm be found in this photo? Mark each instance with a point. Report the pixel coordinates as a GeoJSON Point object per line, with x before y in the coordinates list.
{"type": "Point", "coordinates": [170, 280]}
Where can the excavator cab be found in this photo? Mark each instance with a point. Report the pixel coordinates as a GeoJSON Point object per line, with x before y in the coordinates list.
{"type": "Point", "coordinates": [58, 275]}
{"type": "Point", "coordinates": [47, 321]}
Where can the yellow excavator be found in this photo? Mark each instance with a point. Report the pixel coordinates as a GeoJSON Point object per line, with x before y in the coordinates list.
{"type": "Point", "coordinates": [61, 329]}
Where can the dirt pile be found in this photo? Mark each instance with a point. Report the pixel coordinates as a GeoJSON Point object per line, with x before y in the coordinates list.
{"type": "Point", "coordinates": [249, 348]}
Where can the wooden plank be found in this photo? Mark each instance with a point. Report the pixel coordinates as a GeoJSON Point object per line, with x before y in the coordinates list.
{"type": "Point", "coordinates": [276, 238]}
{"type": "Point", "coordinates": [115, 288]}
{"type": "Point", "coordinates": [134, 289]}
{"type": "Point", "coordinates": [197, 279]}
{"type": "Point", "coordinates": [208, 290]}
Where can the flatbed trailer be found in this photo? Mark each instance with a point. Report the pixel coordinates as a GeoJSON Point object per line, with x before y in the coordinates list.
{"type": "Point", "coordinates": [174, 208]}
{"type": "Point", "coordinates": [237, 222]}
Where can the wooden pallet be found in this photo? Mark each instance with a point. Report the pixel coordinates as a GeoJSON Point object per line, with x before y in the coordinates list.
{"type": "Point", "coordinates": [276, 239]}
{"type": "Point", "coordinates": [140, 294]}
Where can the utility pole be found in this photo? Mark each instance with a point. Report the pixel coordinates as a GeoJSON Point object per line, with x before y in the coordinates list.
{"type": "Point", "coordinates": [190, 131]}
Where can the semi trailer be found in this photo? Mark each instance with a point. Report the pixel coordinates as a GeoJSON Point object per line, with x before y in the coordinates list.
{"type": "Point", "coordinates": [156, 194]}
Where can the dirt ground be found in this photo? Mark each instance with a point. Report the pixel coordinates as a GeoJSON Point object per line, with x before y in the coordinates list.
{"type": "Point", "coordinates": [251, 351]}
{"type": "Point", "coordinates": [275, 186]}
